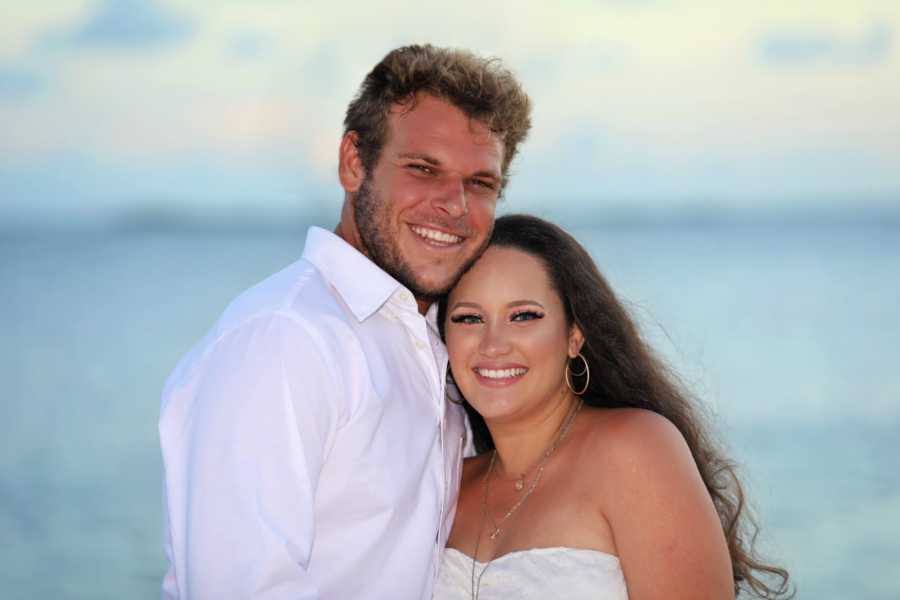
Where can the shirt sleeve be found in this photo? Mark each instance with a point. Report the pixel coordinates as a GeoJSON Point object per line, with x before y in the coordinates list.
{"type": "Point", "coordinates": [244, 433]}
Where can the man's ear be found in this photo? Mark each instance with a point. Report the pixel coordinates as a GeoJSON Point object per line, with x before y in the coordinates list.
{"type": "Point", "coordinates": [576, 340]}
{"type": "Point", "coordinates": [350, 167]}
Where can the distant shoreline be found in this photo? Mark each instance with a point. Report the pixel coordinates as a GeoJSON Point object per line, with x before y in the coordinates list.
{"type": "Point", "coordinates": [614, 219]}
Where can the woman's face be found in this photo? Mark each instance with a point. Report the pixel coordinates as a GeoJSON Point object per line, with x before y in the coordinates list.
{"type": "Point", "coordinates": [507, 335]}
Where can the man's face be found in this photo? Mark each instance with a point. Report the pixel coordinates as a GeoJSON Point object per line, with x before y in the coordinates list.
{"type": "Point", "coordinates": [427, 209]}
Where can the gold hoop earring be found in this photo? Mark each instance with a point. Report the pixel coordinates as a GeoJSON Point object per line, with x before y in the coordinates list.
{"type": "Point", "coordinates": [586, 372]}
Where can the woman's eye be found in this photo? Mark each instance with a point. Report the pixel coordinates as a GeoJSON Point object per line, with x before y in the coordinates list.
{"type": "Point", "coordinates": [527, 315]}
{"type": "Point", "coordinates": [466, 319]}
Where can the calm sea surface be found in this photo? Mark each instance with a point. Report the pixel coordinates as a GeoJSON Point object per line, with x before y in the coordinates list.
{"type": "Point", "coordinates": [790, 336]}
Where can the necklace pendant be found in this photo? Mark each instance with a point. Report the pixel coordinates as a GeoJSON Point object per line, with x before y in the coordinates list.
{"type": "Point", "coordinates": [495, 534]}
{"type": "Point", "coordinates": [520, 484]}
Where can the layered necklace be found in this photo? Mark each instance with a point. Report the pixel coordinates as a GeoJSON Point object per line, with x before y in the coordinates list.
{"type": "Point", "coordinates": [497, 525]}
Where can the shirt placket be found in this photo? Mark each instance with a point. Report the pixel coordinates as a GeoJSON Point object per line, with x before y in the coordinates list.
{"type": "Point", "coordinates": [429, 350]}
{"type": "Point", "coordinates": [439, 359]}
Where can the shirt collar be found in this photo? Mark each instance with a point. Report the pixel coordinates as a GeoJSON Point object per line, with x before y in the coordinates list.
{"type": "Point", "coordinates": [362, 285]}
{"type": "Point", "coordinates": [431, 316]}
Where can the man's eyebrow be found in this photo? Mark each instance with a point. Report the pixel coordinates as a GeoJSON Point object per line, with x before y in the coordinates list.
{"type": "Point", "coordinates": [488, 174]}
{"type": "Point", "coordinates": [418, 156]}
{"type": "Point", "coordinates": [435, 162]}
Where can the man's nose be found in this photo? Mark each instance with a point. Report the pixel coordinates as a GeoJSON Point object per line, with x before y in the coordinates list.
{"type": "Point", "coordinates": [450, 197]}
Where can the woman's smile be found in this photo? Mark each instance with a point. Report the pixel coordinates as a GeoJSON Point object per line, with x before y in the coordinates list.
{"type": "Point", "coordinates": [499, 376]}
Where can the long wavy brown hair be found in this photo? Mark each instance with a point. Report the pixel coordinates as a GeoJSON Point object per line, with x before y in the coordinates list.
{"type": "Point", "coordinates": [626, 373]}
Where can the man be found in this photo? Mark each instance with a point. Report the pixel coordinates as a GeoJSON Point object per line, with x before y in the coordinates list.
{"type": "Point", "coordinates": [308, 448]}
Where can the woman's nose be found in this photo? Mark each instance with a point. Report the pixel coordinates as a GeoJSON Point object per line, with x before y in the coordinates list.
{"type": "Point", "coordinates": [495, 341]}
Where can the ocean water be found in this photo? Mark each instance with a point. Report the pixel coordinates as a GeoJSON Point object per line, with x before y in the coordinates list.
{"type": "Point", "coordinates": [789, 335]}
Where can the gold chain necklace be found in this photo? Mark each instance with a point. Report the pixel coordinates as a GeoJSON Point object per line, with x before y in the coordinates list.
{"type": "Point", "coordinates": [485, 511]}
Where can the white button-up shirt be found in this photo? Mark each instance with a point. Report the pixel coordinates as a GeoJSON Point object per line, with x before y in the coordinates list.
{"type": "Point", "coordinates": [308, 448]}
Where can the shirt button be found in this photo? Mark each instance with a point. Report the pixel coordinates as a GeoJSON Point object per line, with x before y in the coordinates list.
{"type": "Point", "coordinates": [420, 345]}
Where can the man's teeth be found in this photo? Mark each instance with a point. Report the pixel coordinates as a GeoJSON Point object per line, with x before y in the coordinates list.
{"type": "Point", "coordinates": [501, 373]}
{"type": "Point", "coordinates": [437, 236]}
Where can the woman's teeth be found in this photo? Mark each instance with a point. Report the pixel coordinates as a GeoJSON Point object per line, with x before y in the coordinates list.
{"type": "Point", "coordinates": [501, 373]}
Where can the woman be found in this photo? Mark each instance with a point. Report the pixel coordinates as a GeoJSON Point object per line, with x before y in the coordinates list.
{"type": "Point", "coordinates": [595, 478]}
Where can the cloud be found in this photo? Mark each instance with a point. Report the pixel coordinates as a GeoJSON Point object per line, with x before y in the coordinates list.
{"type": "Point", "coordinates": [815, 47]}
{"type": "Point", "coordinates": [124, 24]}
{"type": "Point", "coordinates": [17, 83]}
{"type": "Point", "coordinates": [249, 45]}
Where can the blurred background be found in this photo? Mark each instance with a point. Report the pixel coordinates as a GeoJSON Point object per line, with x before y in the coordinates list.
{"type": "Point", "coordinates": [734, 168]}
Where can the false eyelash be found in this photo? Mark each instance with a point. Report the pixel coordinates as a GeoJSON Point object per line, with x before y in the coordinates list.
{"type": "Point", "coordinates": [534, 314]}
{"type": "Point", "coordinates": [463, 318]}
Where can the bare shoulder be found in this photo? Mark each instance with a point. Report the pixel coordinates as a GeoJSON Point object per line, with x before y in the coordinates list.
{"type": "Point", "coordinates": [627, 431]}
{"type": "Point", "coordinates": [634, 443]}
{"type": "Point", "coordinates": [649, 490]}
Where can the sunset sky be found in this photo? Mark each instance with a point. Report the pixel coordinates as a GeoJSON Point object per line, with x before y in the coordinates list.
{"type": "Point", "coordinates": [235, 107]}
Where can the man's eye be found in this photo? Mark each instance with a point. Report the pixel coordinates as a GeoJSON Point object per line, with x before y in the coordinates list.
{"type": "Point", "coordinates": [527, 315]}
{"type": "Point", "coordinates": [422, 168]}
{"type": "Point", "coordinates": [482, 183]}
{"type": "Point", "coordinates": [465, 319]}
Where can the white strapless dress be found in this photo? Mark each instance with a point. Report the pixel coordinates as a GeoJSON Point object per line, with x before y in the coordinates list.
{"type": "Point", "coordinates": [536, 574]}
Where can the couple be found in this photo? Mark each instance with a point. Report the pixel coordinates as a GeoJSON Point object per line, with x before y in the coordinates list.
{"type": "Point", "coordinates": [309, 443]}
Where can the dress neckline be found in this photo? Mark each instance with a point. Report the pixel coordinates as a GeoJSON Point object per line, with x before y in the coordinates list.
{"type": "Point", "coordinates": [606, 556]}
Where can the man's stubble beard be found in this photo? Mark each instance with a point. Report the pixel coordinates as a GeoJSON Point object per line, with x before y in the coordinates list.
{"type": "Point", "coordinates": [381, 245]}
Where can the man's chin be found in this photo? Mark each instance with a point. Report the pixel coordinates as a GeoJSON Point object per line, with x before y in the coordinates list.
{"type": "Point", "coordinates": [432, 289]}
{"type": "Point", "coordinates": [431, 284]}
{"type": "Point", "coordinates": [432, 292]}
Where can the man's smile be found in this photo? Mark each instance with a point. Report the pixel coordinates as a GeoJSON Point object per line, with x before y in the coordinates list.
{"type": "Point", "coordinates": [434, 235]}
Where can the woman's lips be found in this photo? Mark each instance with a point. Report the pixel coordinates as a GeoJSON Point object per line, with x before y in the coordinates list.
{"type": "Point", "coordinates": [497, 377]}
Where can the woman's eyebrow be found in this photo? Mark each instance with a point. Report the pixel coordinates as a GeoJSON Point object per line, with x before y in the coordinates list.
{"type": "Point", "coordinates": [464, 305]}
{"type": "Point", "coordinates": [515, 303]}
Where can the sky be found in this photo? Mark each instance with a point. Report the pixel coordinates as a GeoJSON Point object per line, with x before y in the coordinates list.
{"type": "Point", "coordinates": [111, 108]}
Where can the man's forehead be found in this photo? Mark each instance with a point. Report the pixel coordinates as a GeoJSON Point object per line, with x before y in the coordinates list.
{"type": "Point", "coordinates": [421, 103]}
